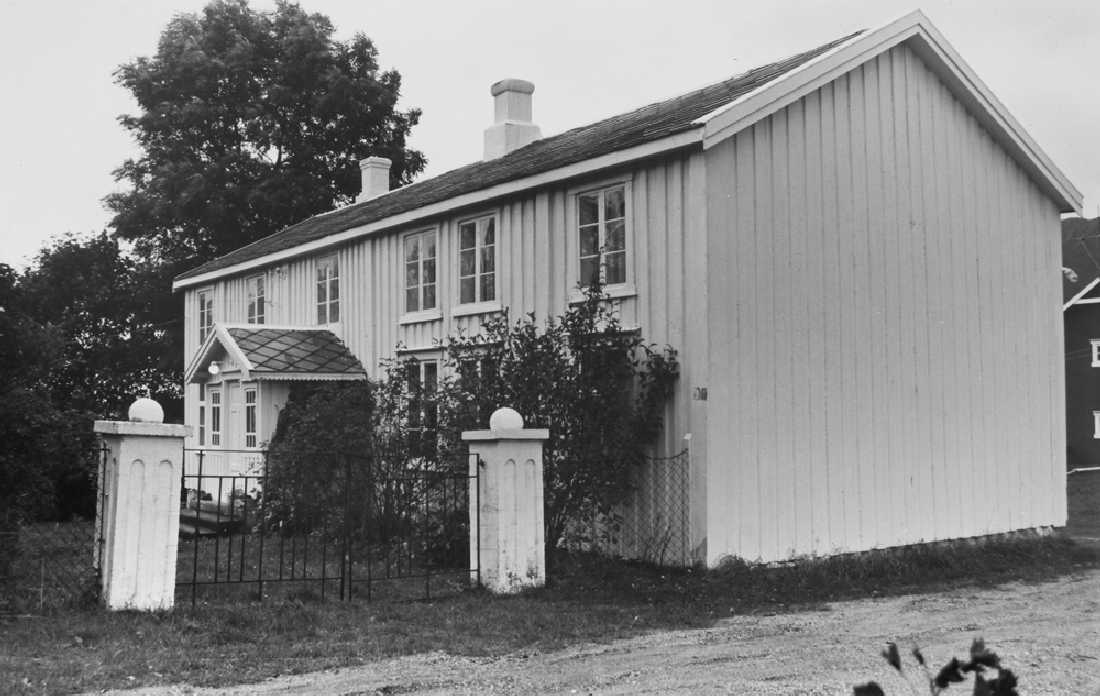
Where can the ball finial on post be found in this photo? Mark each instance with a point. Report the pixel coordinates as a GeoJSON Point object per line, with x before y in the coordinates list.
{"type": "Point", "coordinates": [505, 419]}
{"type": "Point", "coordinates": [145, 410]}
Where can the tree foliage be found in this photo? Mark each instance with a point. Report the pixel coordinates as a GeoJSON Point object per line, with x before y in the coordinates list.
{"type": "Point", "coordinates": [601, 391]}
{"type": "Point", "coordinates": [251, 121]}
{"type": "Point", "coordinates": [96, 301]}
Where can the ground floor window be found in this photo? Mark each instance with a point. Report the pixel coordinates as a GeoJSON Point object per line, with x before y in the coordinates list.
{"type": "Point", "coordinates": [202, 415]}
{"type": "Point", "coordinates": [251, 416]}
{"type": "Point", "coordinates": [421, 381]}
{"type": "Point", "coordinates": [215, 417]}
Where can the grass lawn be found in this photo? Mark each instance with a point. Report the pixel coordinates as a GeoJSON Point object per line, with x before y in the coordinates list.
{"type": "Point", "coordinates": [592, 599]}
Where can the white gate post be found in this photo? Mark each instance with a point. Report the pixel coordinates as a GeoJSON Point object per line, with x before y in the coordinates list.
{"type": "Point", "coordinates": [507, 536]}
{"type": "Point", "coordinates": [139, 521]}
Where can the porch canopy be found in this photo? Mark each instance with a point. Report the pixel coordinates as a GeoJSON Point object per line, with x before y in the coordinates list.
{"type": "Point", "coordinates": [275, 353]}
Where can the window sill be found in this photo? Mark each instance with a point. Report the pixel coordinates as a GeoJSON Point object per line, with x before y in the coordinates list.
{"type": "Point", "coordinates": [476, 308]}
{"type": "Point", "coordinates": [420, 317]}
{"type": "Point", "coordinates": [611, 292]}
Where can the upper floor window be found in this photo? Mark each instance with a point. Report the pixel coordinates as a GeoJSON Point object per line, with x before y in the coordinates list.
{"type": "Point", "coordinates": [601, 218]}
{"type": "Point", "coordinates": [420, 271]}
{"type": "Point", "coordinates": [255, 290]}
{"type": "Point", "coordinates": [206, 313]}
{"type": "Point", "coordinates": [477, 260]}
{"type": "Point", "coordinates": [1095, 352]}
{"type": "Point", "coordinates": [328, 291]}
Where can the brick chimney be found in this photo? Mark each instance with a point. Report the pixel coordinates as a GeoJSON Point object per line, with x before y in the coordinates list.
{"type": "Point", "coordinates": [376, 178]}
{"type": "Point", "coordinates": [512, 127]}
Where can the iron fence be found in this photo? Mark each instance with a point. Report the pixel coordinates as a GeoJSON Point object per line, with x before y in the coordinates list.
{"type": "Point", "coordinates": [50, 560]}
{"type": "Point", "coordinates": [255, 526]}
{"type": "Point", "coordinates": [652, 522]}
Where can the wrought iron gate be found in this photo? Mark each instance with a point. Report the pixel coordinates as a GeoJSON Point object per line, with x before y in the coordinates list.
{"type": "Point", "coordinates": [333, 525]}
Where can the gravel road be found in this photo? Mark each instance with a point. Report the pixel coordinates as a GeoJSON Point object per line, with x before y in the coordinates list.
{"type": "Point", "coordinates": [1049, 633]}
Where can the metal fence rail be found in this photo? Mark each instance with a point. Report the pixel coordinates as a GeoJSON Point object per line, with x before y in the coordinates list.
{"type": "Point", "coordinates": [331, 526]}
{"type": "Point", "coordinates": [52, 563]}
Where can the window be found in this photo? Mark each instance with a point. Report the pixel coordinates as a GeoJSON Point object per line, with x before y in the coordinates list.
{"type": "Point", "coordinates": [215, 418]}
{"type": "Point", "coordinates": [601, 218]}
{"type": "Point", "coordinates": [1095, 352]}
{"type": "Point", "coordinates": [420, 271]}
{"type": "Point", "coordinates": [328, 291]}
{"type": "Point", "coordinates": [206, 314]}
{"type": "Point", "coordinates": [477, 261]}
{"type": "Point", "coordinates": [477, 376]}
{"type": "Point", "coordinates": [255, 289]}
{"type": "Point", "coordinates": [421, 380]}
{"type": "Point", "coordinates": [202, 415]}
{"type": "Point", "coordinates": [1096, 425]}
{"type": "Point", "coordinates": [250, 417]}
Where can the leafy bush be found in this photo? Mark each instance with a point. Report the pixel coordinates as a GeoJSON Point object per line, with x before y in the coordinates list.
{"type": "Point", "coordinates": [982, 662]}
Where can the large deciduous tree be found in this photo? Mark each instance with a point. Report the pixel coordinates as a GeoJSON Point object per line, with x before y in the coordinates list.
{"type": "Point", "coordinates": [251, 121]}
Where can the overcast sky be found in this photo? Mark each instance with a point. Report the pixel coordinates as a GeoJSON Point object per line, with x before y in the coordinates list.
{"type": "Point", "coordinates": [59, 139]}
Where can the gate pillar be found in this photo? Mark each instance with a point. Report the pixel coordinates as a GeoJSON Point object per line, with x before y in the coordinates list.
{"type": "Point", "coordinates": [138, 518]}
{"type": "Point", "coordinates": [507, 533]}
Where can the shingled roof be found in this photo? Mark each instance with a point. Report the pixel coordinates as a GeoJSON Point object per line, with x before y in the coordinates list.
{"type": "Point", "coordinates": [644, 125]}
{"type": "Point", "coordinates": [278, 353]}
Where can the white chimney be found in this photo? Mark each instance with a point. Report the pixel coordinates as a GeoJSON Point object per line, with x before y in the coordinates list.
{"type": "Point", "coordinates": [512, 127]}
{"type": "Point", "coordinates": [376, 178]}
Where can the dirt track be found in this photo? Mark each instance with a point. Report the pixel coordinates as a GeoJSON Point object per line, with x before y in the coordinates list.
{"type": "Point", "coordinates": [1048, 633]}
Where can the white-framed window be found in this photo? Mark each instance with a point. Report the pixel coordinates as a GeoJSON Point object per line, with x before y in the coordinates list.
{"type": "Point", "coordinates": [251, 416]}
{"type": "Point", "coordinates": [202, 415]}
{"type": "Point", "coordinates": [1095, 352]}
{"type": "Point", "coordinates": [1096, 425]}
{"type": "Point", "coordinates": [206, 313]}
{"type": "Point", "coordinates": [328, 291]}
{"type": "Point", "coordinates": [421, 382]}
{"type": "Point", "coordinates": [215, 396]}
{"type": "Point", "coordinates": [477, 260]}
{"type": "Point", "coordinates": [254, 287]}
{"type": "Point", "coordinates": [420, 282]}
{"type": "Point", "coordinates": [602, 232]}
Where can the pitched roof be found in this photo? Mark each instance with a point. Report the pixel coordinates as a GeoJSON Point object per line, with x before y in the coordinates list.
{"type": "Point", "coordinates": [282, 351]}
{"type": "Point", "coordinates": [279, 353]}
{"type": "Point", "coordinates": [644, 125]}
{"type": "Point", "coordinates": [1080, 255]}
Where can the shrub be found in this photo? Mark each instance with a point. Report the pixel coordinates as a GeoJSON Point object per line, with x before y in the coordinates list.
{"type": "Point", "coordinates": [981, 664]}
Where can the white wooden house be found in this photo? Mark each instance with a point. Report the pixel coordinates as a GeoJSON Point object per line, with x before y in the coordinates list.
{"type": "Point", "coordinates": [855, 250]}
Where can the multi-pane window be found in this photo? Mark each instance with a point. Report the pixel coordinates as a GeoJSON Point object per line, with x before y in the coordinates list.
{"type": "Point", "coordinates": [206, 314]}
{"type": "Point", "coordinates": [202, 415]}
{"type": "Point", "coordinates": [255, 290]}
{"type": "Point", "coordinates": [422, 379]}
{"type": "Point", "coordinates": [477, 261]}
{"type": "Point", "coordinates": [250, 417]}
{"type": "Point", "coordinates": [328, 291]}
{"type": "Point", "coordinates": [602, 226]}
{"type": "Point", "coordinates": [420, 271]}
{"type": "Point", "coordinates": [215, 418]}
{"type": "Point", "coordinates": [477, 376]}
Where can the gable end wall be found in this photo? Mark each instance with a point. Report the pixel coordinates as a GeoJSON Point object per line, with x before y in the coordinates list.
{"type": "Point", "coordinates": [885, 328]}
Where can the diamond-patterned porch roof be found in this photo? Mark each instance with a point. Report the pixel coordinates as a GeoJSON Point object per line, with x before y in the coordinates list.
{"type": "Point", "coordinates": [274, 352]}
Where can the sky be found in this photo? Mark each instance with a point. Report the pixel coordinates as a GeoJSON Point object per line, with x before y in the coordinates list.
{"type": "Point", "coordinates": [60, 140]}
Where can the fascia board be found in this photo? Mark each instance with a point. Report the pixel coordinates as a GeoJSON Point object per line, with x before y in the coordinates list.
{"type": "Point", "coordinates": [221, 335]}
{"type": "Point", "coordinates": [1076, 299]}
{"type": "Point", "coordinates": [613, 159]}
{"type": "Point", "coordinates": [199, 357]}
{"type": "Point", "coordinates": [732, 118]}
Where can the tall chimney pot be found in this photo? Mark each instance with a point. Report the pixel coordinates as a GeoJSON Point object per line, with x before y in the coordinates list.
{"type": "Point", "coordinates": [512, 127]}
{"type": "Point", "coordinates": [375, 173]}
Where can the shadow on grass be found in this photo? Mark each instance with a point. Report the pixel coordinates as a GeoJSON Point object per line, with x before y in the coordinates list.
{"type": "Point", "coordinates": [592, 599]}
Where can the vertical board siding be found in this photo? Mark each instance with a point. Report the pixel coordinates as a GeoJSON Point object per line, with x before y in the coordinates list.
{"type": "Point", "coordinates": [884, 326]}
{"type": "Point", "coordinates": [536, 270]}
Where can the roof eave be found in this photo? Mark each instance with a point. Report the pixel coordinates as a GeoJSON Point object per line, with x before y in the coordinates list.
{"type": "Point", "coordinates": [689, 138]}
{"type": "Point", "coordinates": [940, 56]}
